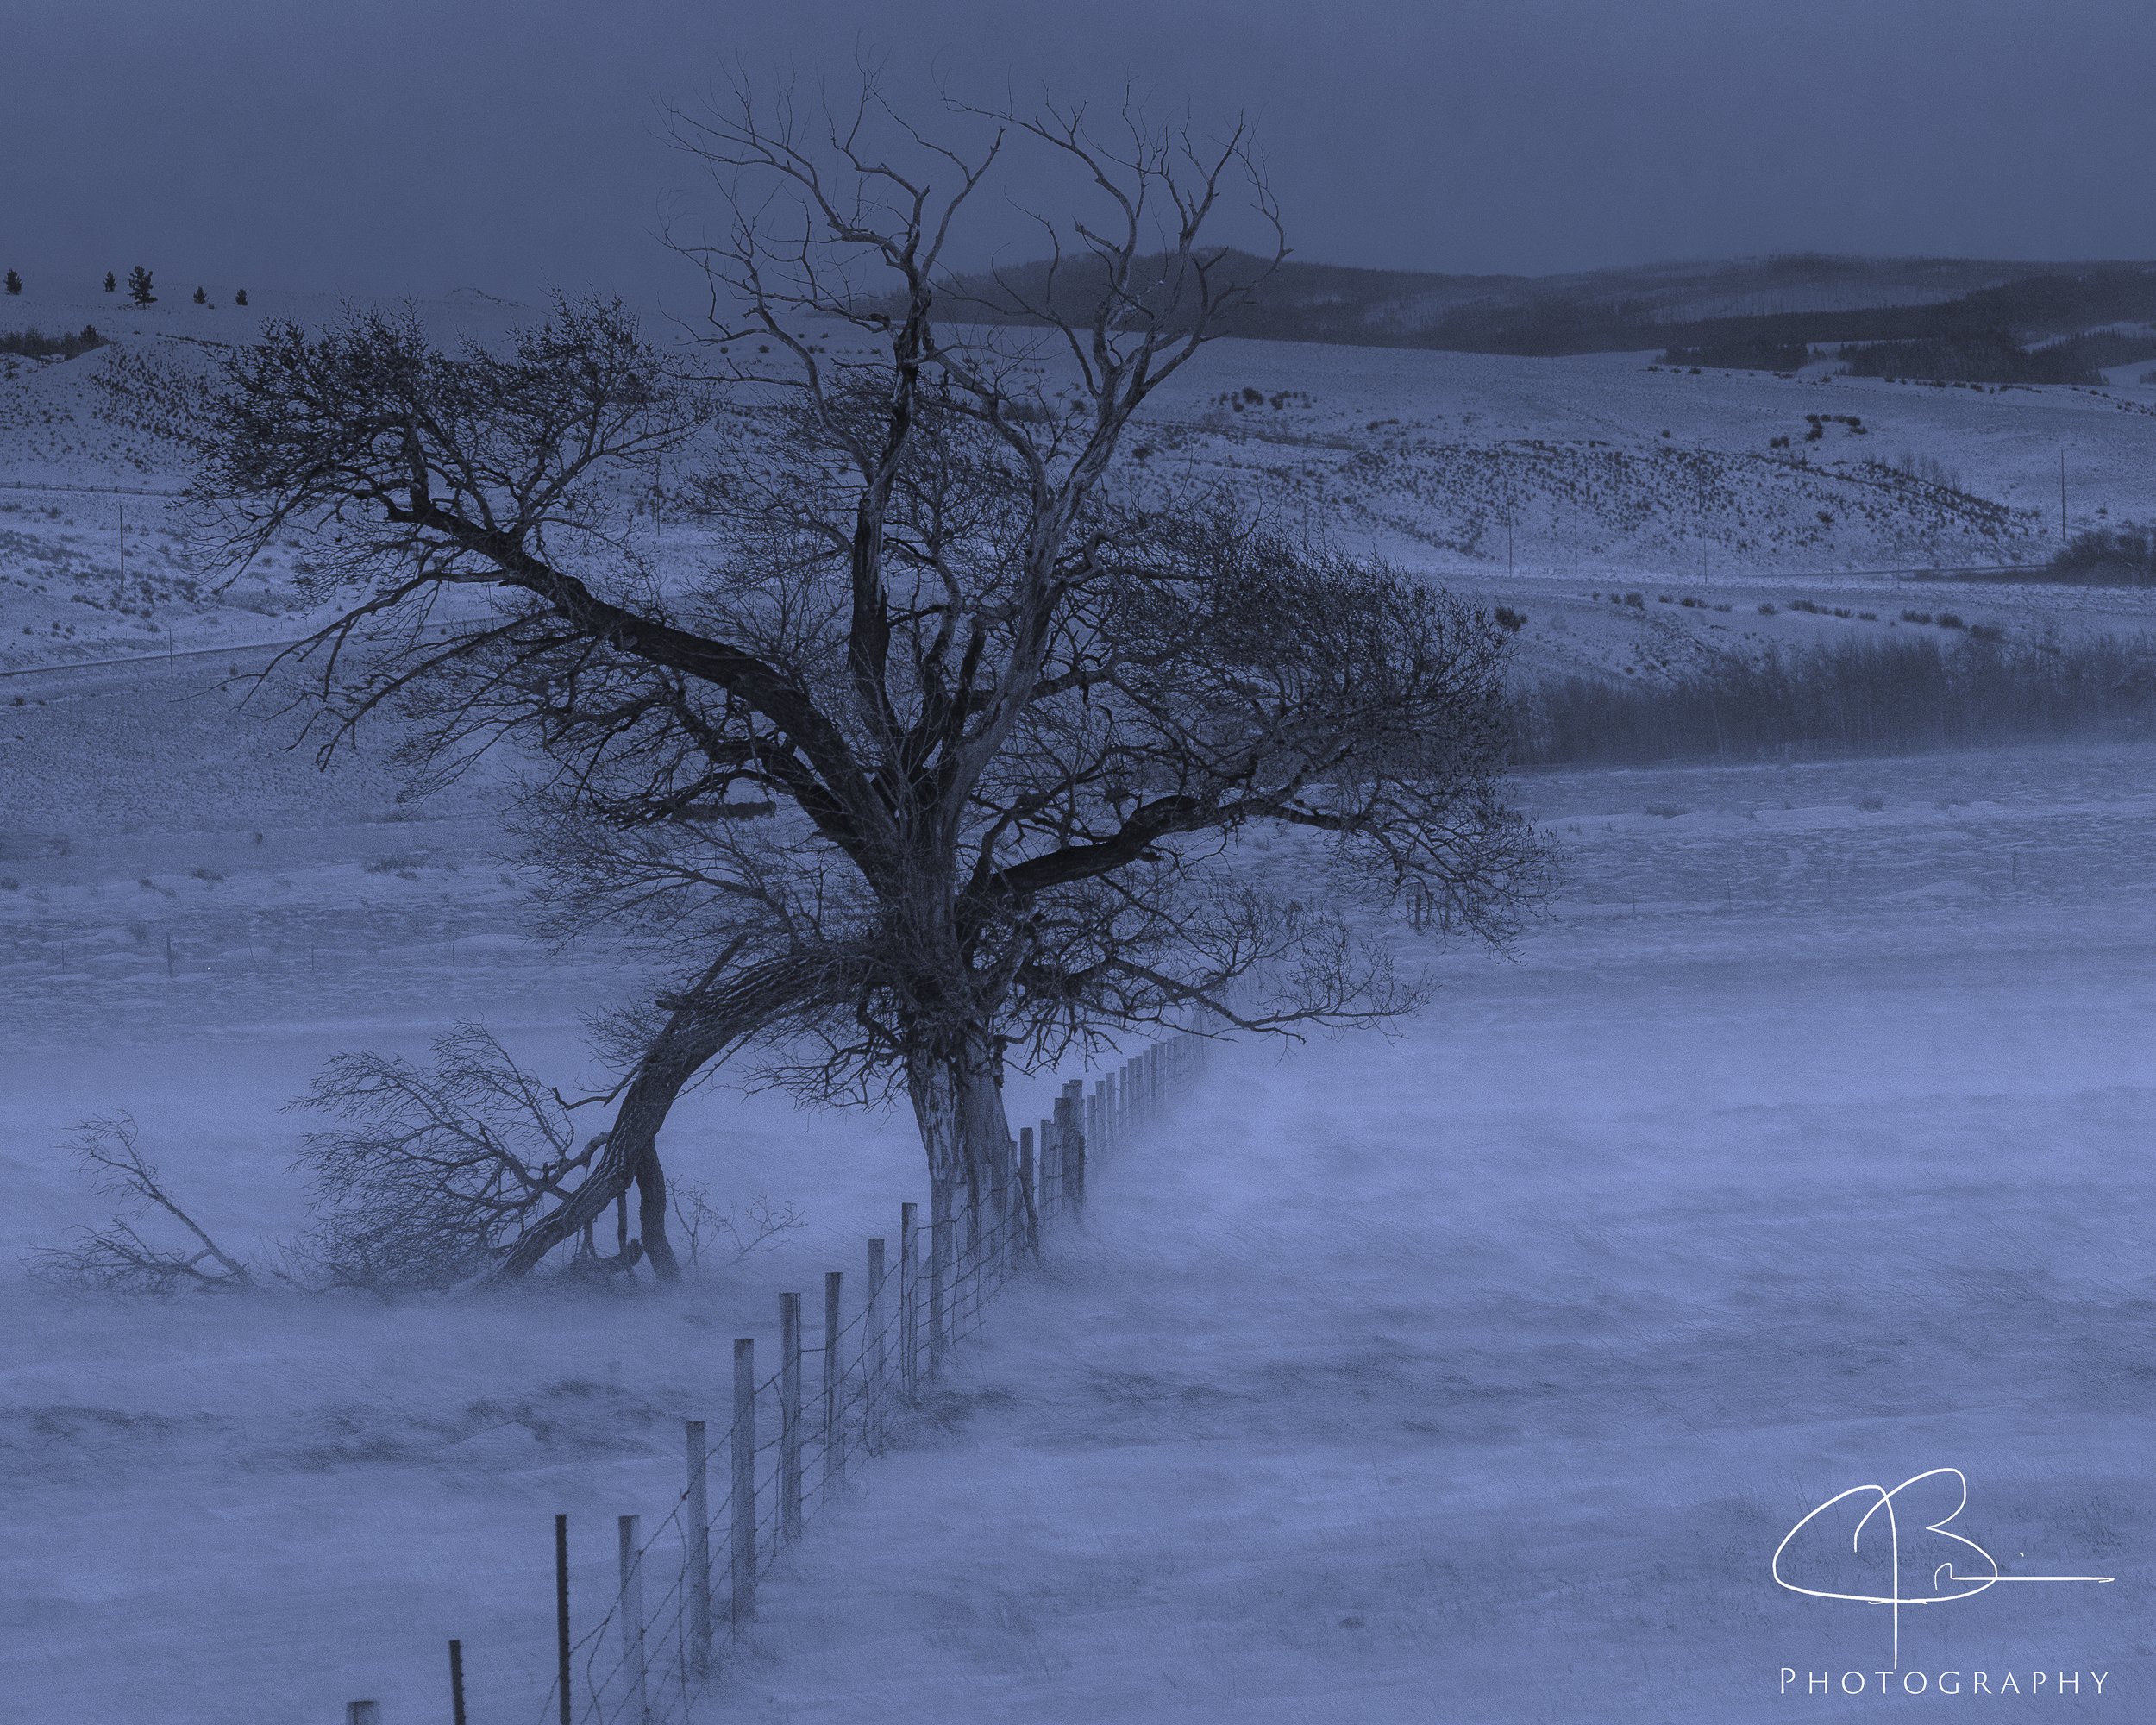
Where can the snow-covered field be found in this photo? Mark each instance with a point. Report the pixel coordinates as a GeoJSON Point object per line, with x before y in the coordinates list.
{"type": "Point", "coordinates": [1476, 1376]}
{"type": "Point", "coordinates": [1470, 1376]}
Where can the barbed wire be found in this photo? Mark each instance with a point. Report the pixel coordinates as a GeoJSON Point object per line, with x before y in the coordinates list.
{"type": "Point", "coordinates": [645, 1661]}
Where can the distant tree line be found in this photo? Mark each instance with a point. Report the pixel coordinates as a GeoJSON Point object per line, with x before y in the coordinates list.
{"type": "Point", "coordinates": [1745, 354]}
{"type": "Point", "coordinates": [1993, 356]}
{"type": "Point", "coordinates": [34, 344]}
{"type": "Point", "coordinates": [1891, 697]}
{"type": "Point", "coordinates": [140, 287]}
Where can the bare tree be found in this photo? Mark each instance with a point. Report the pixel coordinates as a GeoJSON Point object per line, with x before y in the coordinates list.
{"type": "Point", "coordinates": [441, 1174]}
{"type": "Point", "coordinates": [941, 761]}
{"type": "Point", "coordinates": [119, 1257]}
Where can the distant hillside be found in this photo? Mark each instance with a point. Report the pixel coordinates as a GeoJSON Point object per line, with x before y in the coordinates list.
{"type": "Point", "coordinates": [1759, 307]}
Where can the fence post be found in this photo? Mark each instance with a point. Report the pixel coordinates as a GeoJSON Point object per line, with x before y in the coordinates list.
{"type": "Point", "coordinates": [362, 1713]}
{"type": "Point", "coordinates": [1051, 1170]}
{"type": "Point", "coordinates": [1072, 1143]}
{"type": "Point", "coordinates": [877, 1363]}
{"type": "Point", "coordinates": [790, 1416]}
{"type": "Point", "coordinates": [561, 1613]}
{"type": "Point", "coordinates": [1028, 1207]}
{"type": "Point", "coordinates": [744, 1495]}
{"type": "Point", "coordinates": [834, 1375]}
{"type": "Point", "coordinates": [941, 1224]}
{"type": "Point", "coordinates": [699, 1552]}
{"type": "Point", "coordinates": [632, 1618]}
{"type": "Point", "coordinates": [456, 1683]}
{"type": "Point", "coordinates": [909, 1301]}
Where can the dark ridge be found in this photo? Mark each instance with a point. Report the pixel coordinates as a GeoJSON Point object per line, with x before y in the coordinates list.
{"type": "Point", "coordinates": [1750, 310]}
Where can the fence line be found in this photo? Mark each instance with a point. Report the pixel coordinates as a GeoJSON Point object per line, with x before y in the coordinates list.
{"type": "Point", "coordinates": [664, 1638]}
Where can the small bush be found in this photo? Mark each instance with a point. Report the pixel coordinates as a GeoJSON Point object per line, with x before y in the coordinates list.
{"type": "Point", "coordinates": [1871, 804]}
{"type": "Point", "coordinates": [2122, 556]}
{"type": "Point", "coordinates": [1947, 619]}
{"type": "Point", "coordinates": [1636, 600]}
{"type": "Point", "coordinates": [1916, 617]}
{"type": "Point", "coordinates": [1506, 617]}
{"type": "Point", "coordinates": [1767, 607]}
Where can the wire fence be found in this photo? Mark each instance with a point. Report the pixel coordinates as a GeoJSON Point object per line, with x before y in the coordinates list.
{"type": "Point", "coordinates": [688, 1584]}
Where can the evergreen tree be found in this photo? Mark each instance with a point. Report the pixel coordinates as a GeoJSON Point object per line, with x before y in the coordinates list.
{"type": "Point", "coordinates": [15, 282]}
{"type": "Point", "coordinates": [139, 286]}
{"type": "Point", "coordinates": [111, 281]}
{"type": "Point", "coordinates": [202, 296]}
{"type": "Point", "coordinates": [239, 298]}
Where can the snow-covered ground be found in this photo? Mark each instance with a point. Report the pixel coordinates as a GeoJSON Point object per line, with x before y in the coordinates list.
{"type": "Point", "coordinates": [1476, 1375]}
{"type": "Point", "coordinates": [1470, 1376]}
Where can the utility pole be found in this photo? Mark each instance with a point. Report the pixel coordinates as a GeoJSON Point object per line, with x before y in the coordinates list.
{"type": "Point", "coordinates": [2062, 500]}
{"type": "Point", "coordinates": [122, 510]}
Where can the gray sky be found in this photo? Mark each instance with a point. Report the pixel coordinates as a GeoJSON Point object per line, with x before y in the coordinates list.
{"type": "Point", "coordinates": [389, 145]}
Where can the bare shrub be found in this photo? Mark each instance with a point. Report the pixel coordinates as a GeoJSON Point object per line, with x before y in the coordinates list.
{"type": "Point", "coordinates": [727, 1236]}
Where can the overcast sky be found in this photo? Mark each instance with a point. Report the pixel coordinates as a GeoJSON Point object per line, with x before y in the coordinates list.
{"type": "Point", "coordinates": [418, 147]}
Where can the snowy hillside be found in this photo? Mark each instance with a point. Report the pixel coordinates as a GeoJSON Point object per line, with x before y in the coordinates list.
{"type": "Point", "coordinates": [1541, 481]}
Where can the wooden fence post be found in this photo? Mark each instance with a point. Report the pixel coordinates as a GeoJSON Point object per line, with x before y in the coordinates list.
{"type": "Point", "coordinates": [744, 1495]}
{"type": "Point", "coordinates": [1051, 1170]}
{"type": "Point", "coordinates": [941, 1224]}
{"type": "Point", "coordinates": [1071, 1144]}
{"type": "Point", "coordinates": [456, 1683]}
{"type": "Point", "coordinates": [877, 1365]}
{"type": "Point", "coordinates": [909, 1301]}
{"type": "Point", "coordinates": [1028, 1206]}
{"type": "Point", "coordinates": [362, 1713]}
{"type": "Point", "coordinates": [790, 1416]}
{"type": "Point", "coordinates": [561, 1646]}
{"type": "Point", "coordinates": [632, 1619]}
{"type": "Point", "coordinates": [699, 1530]}
{"type": "Point", "coordinates": [834, 1375]}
